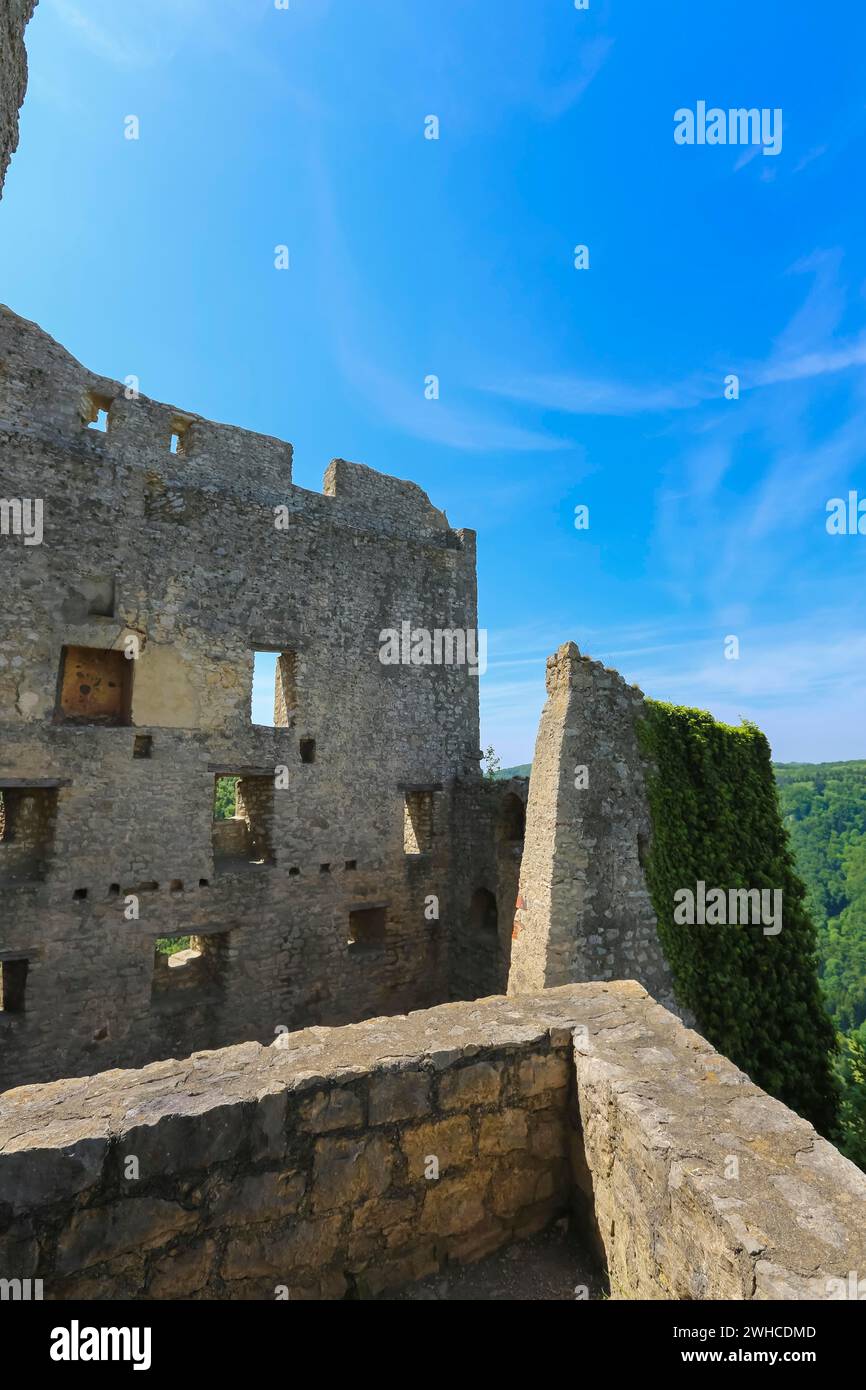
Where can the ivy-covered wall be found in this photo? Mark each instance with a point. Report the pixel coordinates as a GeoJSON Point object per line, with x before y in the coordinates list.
{"type": "Point", "coordinates": [716, 820]}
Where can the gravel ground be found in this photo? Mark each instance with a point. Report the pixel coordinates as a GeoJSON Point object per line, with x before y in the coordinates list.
{"type": "Point", "coordinates": [549, 1266]}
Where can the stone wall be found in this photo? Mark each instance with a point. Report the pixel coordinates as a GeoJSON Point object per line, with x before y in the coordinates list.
{"type": "Point", "coordinates": [306, 1169]}
{"type": "Point", "coordinates": [308, 1164]}
{"type": "Point", "coordinates": [14, 16]}
{"type": "Point", "coordinates": [160, 539]}
{"type": "Point", "coordinates": [583, 910]}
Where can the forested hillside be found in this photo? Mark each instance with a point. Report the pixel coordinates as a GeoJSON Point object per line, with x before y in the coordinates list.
{"type": "Point", "coordinates": [824, 808]}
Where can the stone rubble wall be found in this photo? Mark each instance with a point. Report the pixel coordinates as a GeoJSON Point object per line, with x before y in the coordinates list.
{"type": "Point", "coordinates": [583, 910]}
{"type": "Point", "coordinates": [302, 1169]}
{"type": "Point", "coordinates": [14, 17]}
{"type": "Point", "coordinates": [180, 551]}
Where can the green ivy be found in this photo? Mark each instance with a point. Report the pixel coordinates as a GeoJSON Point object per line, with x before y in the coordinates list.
{"type": "Point", "coordinates": [716, 818]}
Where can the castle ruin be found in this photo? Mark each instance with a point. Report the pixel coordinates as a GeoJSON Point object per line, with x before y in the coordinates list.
{"type": "Point", "coordinates": [330, 1025]}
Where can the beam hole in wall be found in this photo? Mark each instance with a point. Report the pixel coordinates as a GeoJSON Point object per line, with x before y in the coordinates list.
{"type": "Point", "coordinates": [93, 597]}
{"type": "Point", "coordinates": [114, 890]}
{"type": "Point", "coordinates": [351, 864]}
{"type": "Point", "coordinates": [80, 894]}
{"type": "Point", "coordinates": [142, 746]}
{"type": "Point", "coordinates": [308, 750]}
{"type": "Point", "coordinates": [95, 686]}
{"type": "Point", "coordinates": [204, 883]}
{"type": "Point", "coordinates": [418, 822]}
{"type": "Point", "coordinates": [176, 885]}
{"type": "Point", "coordinates": [294, 872]}
{"type": "Point", "coordinates": [367, 926]}
{"type": "Point", "coordinates": [13, 981]}
{"type": "Point", "coordinates": [324, 868]}
{"type": "Point", "coordinates": [27, 820]}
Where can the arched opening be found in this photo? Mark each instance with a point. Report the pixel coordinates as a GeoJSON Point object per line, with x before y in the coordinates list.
{"type": "Point", "coordinates": [483, 915]}
{"type": "Point", "coordinates": [513, 818]}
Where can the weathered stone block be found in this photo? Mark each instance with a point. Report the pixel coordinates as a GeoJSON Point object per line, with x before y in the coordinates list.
{"type": "Point", "coordinates": [337, 1108]}
{"type": "Point", "coordinates": [504, 1132]}
{"type": "Point", "coordinates": [448, 1141]}
{"type": "Point", "coordinates": [537, 1074]}
{"type": "Point", "coordinates": [102, 1233]}
{"type": "Point", "coordinates": [398, 1095]}
{"type": "Point", "coordinates": [347, 1171]}
{"type": "Point", "coordinates": [478, 1084]}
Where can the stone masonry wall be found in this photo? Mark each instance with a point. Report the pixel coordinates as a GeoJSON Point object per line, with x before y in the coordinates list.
{"type": "Point", "coordinates": [583, 910]}
{"type": "Point", "coordinates": [177, 553]}
{"type": "Point", "coordinates": [305, 1167]}
{"type": "Point", "coordinates": [14, 17]}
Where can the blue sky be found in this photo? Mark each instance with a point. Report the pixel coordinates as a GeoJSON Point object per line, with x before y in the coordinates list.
{"type": "Point", "coordinates": [454, 257]}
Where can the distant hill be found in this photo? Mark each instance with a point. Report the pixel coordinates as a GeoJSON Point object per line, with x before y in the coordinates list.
{"type": "Point", "coordinates": [522, 771]}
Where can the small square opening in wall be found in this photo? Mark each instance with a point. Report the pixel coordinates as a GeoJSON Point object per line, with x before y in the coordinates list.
{"type": "Point", "coordinates": [13, 979]}
{"type": "Point", "coordinates": [142, 746]}
{"type": "Point", "coordinates": [367, 926]}
{"type": "Point", "coordinates": [308, 750]}
{"type": "Point", "coordinates": [95, 686]}
{"type": "Point", "coordinates": [98, 594]}
{"type": "Point", "coordinates": [79, 895]}
{"type": "Point", "coordinates": [177, 441]}
{"type": "Point", "coordinates": [351, 864]}
{"type": "Point", "coordinates": [94, 411]}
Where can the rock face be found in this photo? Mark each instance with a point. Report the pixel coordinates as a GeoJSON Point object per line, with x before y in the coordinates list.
{"type": "Point", "coordinates": [14, 17]}
{"type": "Point", "coordinates": [363, 829]}
{"type": "Point", "coordinates": [362, 1158]}
{"type": "Point", "coordinates": [583, 909]}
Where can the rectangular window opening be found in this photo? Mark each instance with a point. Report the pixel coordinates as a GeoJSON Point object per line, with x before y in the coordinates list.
{"type": "Point", "coordinates": [367, 926]}
{"type": "Point", "coordinates": [274, 694]}
{"type": "Point", "coordinates": [177, 441]}
{"type": "Point", "coordinates": [182, 963]}
{"type": "Point", "coordinates": [27, 820]}
{"type": "Point", "coordinates": [13, 980]}
{"type": "Point", "coordinates": [242, 823]}
{"type": "Point", "coordinates": [308, 750]}
{"type": "Point", "coordinates": [95, 686]}
{"type": "Point", "coordinates": [418, 823]}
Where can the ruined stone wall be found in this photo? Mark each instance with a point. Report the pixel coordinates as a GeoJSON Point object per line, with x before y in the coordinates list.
{"type": "Point", "coordinates": [178, 554]}
{"type": "Point", "coordinates": [340, 1161]}
{"type": "Point", "coordinates": [307, 1167]}
{"type": "Point", "coordinates": [490, 827]}
{"type": "Point", "coordinates": [14, 17]}
{"type": "Point", "coordinates": [584, 911]}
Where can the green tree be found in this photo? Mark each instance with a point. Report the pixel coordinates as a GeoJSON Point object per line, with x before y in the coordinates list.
{"type": "Point", "coordinates": [851, 1072]}
{"type": "Point", "coordinates": [491, 763]}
